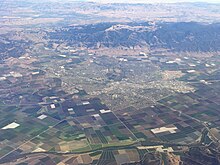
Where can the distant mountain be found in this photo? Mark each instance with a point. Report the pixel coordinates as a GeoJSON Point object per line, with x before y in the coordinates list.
{"type": "Point", "coordinates": [180, 36]}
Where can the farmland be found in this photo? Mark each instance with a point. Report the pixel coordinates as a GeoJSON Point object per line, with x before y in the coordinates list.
{"type": "Point", "coordinates": [108, 93]}
{"type": "Point", "coordinates": [50, 119]}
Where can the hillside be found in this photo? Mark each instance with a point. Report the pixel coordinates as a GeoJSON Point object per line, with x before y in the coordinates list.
{"type": "Point", "coordinates": [180, 36]}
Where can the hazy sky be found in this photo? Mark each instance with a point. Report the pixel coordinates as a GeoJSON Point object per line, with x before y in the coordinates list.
{"type": "Point", "coordinates": [153, 1]}
{"type": "Point", "coordinates": [128, 1]}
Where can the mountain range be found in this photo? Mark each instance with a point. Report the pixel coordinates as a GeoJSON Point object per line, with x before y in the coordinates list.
{"type": "Point", "coordinates": [174, 36]}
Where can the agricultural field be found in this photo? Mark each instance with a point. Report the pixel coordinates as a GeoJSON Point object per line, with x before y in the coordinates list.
{"type": "Point", "coordinates": [47, 119]}
{"type": "Point", "coordinates": [120, 92]}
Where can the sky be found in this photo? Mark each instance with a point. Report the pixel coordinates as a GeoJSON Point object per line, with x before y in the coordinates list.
{"type": "Point", "coordinates": [153, 1]}
{"type": "Point", "coordinates": [130, 1]}
{"type": "Point", "coordinates": [127, 1]}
